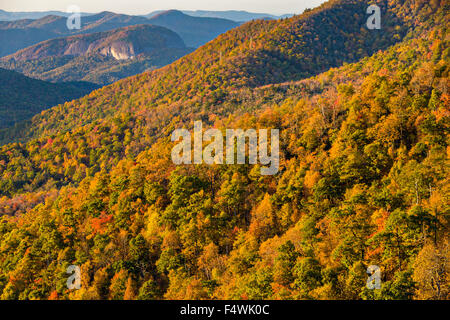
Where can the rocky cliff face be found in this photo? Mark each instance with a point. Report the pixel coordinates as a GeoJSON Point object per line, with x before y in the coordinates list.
{"type": "Point", "coordinates": [119, 50]}
{"type": "Point", "coordinates": [76, 48]}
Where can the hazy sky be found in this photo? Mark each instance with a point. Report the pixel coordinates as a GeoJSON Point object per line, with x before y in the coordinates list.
{"type": "Point", "coordinates": [146, 6]}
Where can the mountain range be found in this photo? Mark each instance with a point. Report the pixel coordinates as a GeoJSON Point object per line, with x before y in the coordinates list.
{"type": "Point", "coordinates": [101, 57]}
{"type": "Point", "coordinates": [19, 34]}
{"type": "Point", "coordinates": [235, 15]}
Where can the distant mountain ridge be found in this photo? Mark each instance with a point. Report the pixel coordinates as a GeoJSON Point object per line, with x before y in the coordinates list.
{"type": "Point", "coordinates": [195, 31]}
{"type": "Point", "coordinates": [235, 15]}
{"type": "Point", "coordinates": [11, 16]}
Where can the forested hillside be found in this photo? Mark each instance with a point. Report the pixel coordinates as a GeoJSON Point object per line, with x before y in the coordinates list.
{"type": "Point", "coordinates": [363, 180]}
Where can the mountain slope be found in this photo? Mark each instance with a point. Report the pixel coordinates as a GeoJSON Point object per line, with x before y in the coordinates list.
{"type": "Point", "coordinates": [254, 54]}
{"type": "Point", "coordinates": [195, 31]}
{"type": "Point", "coordinates": [22, 97]}
{"type": "Point", "coordinates": [100, 58]}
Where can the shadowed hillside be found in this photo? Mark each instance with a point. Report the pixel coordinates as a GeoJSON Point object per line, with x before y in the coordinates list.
{"type": "Point", "coordinates": [22, 97]}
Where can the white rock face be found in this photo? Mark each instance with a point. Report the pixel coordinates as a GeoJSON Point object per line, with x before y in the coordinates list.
{"type": "Point", "coordinates": [119, 51]}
